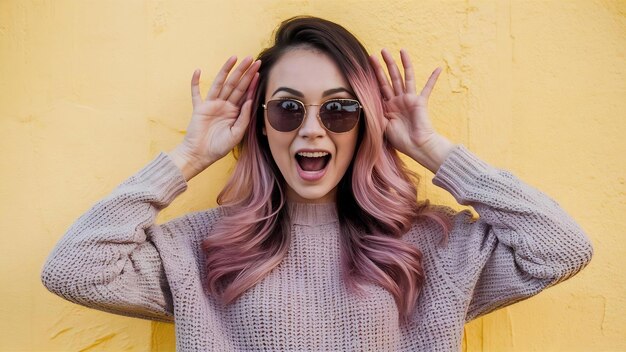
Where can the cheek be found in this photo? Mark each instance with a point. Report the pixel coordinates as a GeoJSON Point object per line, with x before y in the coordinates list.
{"type": "Point", "coordinates": [348, 149]}
{"type": "Point", "coordinates": [279, 148]}
{"type": "Point", "coordinates": [272, 141]}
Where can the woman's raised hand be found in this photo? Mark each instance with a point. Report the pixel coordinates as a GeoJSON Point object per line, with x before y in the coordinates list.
{"type": "Point", "coordinates": [219, 121]}
{"type": "Point", "coordinates": [408, 127]}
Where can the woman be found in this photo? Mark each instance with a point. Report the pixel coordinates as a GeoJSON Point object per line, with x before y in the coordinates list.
{"type": "Point", "coordinates": [319, 242]}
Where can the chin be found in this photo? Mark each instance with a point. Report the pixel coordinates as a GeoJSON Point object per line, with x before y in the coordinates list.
{"type": "Point", "coordinates": [311, 195]}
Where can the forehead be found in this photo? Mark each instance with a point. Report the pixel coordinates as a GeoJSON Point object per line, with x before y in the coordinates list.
{"type": "Point", "coordinates": [307, 70]}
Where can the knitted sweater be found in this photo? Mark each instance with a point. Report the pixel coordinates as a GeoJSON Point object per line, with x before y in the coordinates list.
{"type": "Point", "coordinates": [116, 259]}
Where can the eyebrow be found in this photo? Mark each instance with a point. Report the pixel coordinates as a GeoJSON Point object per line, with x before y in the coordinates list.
{"type": "Point", "coordinates": [299, 94]}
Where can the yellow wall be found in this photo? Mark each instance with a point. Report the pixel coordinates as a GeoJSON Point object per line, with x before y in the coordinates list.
{"type": "Point", "coordinates": [90, 91]}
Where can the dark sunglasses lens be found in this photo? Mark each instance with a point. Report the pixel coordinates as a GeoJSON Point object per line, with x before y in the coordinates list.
{"type": "Point", "coordinates": [285, 115]}
{"type": "Point", "coordinates": [340, 115]}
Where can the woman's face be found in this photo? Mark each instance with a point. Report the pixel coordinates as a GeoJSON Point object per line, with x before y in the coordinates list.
{"type": "Point", "coordinates": [311, 159]}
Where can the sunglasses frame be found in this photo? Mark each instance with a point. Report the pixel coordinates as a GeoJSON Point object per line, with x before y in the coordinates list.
{"type": "Point", "coordinates": [318, 112]}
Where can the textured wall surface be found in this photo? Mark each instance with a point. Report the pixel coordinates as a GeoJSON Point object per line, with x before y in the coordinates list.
{"type": "Point", "coordinates": [92, 90]}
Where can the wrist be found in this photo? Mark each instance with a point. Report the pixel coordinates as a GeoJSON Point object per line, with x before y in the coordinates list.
{"type": "Point", "coordinates": [433, 153]}
{"type": "Point", "coordinates": [185, 162]}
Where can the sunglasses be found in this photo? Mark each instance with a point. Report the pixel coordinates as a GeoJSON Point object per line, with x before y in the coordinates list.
{"type": "Point", "coordinates": [336, 115]}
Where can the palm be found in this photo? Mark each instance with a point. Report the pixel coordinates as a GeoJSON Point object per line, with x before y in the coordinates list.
{"type": "Point", "coordinates": [408, 125]}
{"type": "Point", "coordinates": [211, 128]}
{"type": "Point", "coordinates": [219, 122]}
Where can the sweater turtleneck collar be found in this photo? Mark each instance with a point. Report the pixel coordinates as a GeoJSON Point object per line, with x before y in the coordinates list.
{"type": "Point", "coordinates": [312, 213]}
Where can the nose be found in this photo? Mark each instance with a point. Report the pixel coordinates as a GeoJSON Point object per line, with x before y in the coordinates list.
{"type": "Point", "coordinates": [311, 126]}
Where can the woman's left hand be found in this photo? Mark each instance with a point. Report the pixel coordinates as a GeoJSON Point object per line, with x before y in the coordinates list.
{"type": "Point", "coordinates": [408, 127]}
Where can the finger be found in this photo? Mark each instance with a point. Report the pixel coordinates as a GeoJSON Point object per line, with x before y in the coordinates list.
{"type": "Point", "coordinates": [234, 77]}
{"type": "Point", "coordinates": [409, 75]}
{"type": "Point", "coordinates": [394, 72]}
{"type": "Point", "coordinates": [383, 82]}
{"type": "Point", "coordinates": [216, 87]}
{"type": "Point", "coordinates": [196, 98]}
{"type": "Point", "coordinates": [431, 83]}
{"type": "Point", "coordinates": [251, 89]}
{"type": "Point", "coordinates": [244, 83]}
{"type": "Point", "coordinates": [239, 127]}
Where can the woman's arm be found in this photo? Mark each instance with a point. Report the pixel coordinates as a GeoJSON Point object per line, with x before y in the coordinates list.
{"type": "Point", "coordinates": [522, 243]}
{"type": "Point", "coordinates": [107, 261]}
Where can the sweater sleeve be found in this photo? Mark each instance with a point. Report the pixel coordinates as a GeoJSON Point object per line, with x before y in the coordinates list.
{"type": "Point", "coordinates": [522, 242]}
{"type": "Point", "coordinates": [107, 261]}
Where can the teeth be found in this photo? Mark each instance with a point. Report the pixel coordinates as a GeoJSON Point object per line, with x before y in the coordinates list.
{"type": "Point", "coordinates": [312, 154]}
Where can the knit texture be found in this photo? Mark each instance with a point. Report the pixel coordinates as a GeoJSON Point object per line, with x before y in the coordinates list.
{"type": "Point", "coordinates": [116, 259]}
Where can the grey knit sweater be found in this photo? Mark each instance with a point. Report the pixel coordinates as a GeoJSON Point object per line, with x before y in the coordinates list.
{"type": "Point", "coordinates": [116, 259]}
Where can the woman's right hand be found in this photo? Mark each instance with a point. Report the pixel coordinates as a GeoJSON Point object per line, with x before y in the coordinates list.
{"type": "Point", "coordinates": [218, 122]}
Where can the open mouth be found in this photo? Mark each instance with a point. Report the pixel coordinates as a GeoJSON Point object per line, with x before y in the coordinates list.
{"type": "Point", "coordinates": [313, 161]}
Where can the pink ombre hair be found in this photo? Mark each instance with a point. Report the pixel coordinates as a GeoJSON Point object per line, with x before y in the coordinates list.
{"type": "Point", "coordinates": [376, 198]}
